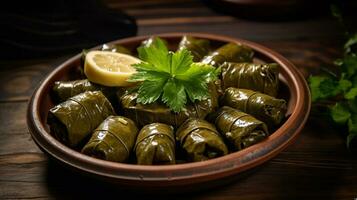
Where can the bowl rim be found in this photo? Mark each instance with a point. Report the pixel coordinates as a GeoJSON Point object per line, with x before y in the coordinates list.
{"type": "Point", "coordinates": [179, 173]}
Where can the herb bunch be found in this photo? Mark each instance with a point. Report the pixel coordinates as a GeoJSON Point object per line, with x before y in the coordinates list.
{"type": "Point", "coordinates": [171, 77]}
{"type": "Point", "coordinates": [340, 91]}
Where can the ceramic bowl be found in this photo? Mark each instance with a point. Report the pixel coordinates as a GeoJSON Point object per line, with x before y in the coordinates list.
{"type": "Point", "coordinates": [203, 173]}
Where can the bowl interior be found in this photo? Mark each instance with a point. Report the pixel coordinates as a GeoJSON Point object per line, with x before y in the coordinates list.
{"type": "Point", "coordinates": [292, 88]}
{"type": "Point", "coordinates": [70, 71]}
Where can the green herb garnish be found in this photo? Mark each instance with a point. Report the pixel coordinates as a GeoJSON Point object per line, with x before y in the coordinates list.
{"type": "Point", "coordinates": [340, 91]}
{"type": "Point", "coordinates": [171, 76]}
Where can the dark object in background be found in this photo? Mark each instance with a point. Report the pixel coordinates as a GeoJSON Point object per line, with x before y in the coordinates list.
{"type": "Point", "coordinates": [270, 10]}
{"type": "Point", "coordinates": [345, 12]}
{"type": "Point", "coordinates": [40, 27]}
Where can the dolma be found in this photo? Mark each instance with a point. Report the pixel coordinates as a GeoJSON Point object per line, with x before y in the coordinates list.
{"type": "Point", "coordinates": [198, 47]}
{"type": "Point", "coordinates": [240, 129]}
{"type": "Point", "coordinates": [62, 90]}
{"type": "Point", "coordinates": [144, 114]}
{"type": "Point", "coordinates": [75, 119]}
{"type": "Point", "coordinates": [200, 140]}
{"type": "Point", "coordinates": [112, 140]}
{"type": "Point", "coordinates": [150, 41]}
{"type": "Point", "coordinates": [259, 105]}
{"type": "Point", "coordinates": [258, 77]}
{"type": "Point", "coordinates": [230, 52]}
{"type": "Point", "coordinates": [155, 145]}
{"type": "Point", "coordinates": [115, 48]}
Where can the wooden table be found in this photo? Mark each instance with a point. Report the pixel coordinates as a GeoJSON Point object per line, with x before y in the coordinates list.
{"type": "Point", "coordinates": [316, 166]}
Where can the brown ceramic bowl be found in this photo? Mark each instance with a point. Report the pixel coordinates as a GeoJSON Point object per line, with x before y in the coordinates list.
{"type": "Point", "coordinates": [179, 175]}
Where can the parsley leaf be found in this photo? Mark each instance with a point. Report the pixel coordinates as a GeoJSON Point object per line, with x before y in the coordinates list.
{"type": "Point", "coordinates": [322, 87]}
{"type": "Point", "coordinates": [352, 129]}
{"type": "Point", "coordinates": [351, 94]}
{"type": "Point", "coordinates": [173, 76]}
{"type": "Point", "coordinates": [352, 42]}
{"type": "Point", "coordinates": [174, 94]}
{"type": "Point", "coordinates": [339, 93]}
{"type": "Point", "coordinates": [150, 91]}
{"type": "Point", "coordinates": [340, 113]}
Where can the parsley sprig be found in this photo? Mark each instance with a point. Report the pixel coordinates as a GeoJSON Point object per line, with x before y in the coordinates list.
{"type": "Point", "coordinates": [171, 77]}
{"type": "Point", "coordinates": [340, 90]}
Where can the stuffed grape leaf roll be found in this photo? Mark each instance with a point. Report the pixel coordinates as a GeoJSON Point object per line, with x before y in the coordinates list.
{"type": "Point", "coordinates": [261, 106]}
{"type": "Point", "coordinates": [115, 48]}
{"type": "Point", "coordinates": [155, 145]}
{"type": "Point", "coordinates": [62, 90]}
{"type": "Point", "coordinates": [151, 41]}
{"type": "Point", "coordinates": [230, 52]}
{"type": "Point", "coordinates": [112, 140]}
{"type": "Point", "coordinates": [144, 114]}
{"type": "Point", "coordinates": [240, 129]}
{"type": "Point", "coordinates": [75, 119]}
{"type": "Point", "coordinates": [258, 77]}
{"type": "Point", "coordinates": [198, 47]}
{"type": "Point", "coordinates": [200, 140]}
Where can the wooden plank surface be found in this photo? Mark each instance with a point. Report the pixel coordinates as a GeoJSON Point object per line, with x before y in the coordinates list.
{"type": "Point", "coordinates": [316, 166]}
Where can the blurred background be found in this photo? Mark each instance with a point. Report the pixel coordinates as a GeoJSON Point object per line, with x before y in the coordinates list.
{"type": "Point", "coordinates": [40, 27]}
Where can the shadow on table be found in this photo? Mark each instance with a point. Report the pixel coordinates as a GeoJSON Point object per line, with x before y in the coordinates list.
{"type": "Point", "coordinates": [271, 181]}
{"type": "Point", "coordinates": [68, 184]}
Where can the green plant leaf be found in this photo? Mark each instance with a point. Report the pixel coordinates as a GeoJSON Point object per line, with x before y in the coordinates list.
{"type": "Point", "coordinates": [352, 124]}
{"type": "Point", "coordinates": [349, 65]}
{"type": "Point", "coordinates": [351, 94]}
{"type": "Point", "coordinates": [156, 55]}
{"type": "Point", "coordinates": [174, 95]}
{"type": "Point", "coordinates": [196, 91]}
{"type": "Point", "coordinates": [150, 91]}
{"type": "Point", "coordinates": [350, 138]}
{"type": "Point", "coordinates": [322, 87]}
{"type": "Point", "coordinates": [340, 113]}
{"type": "Point", "coordinates": [351, 42]}
{"type": "Point", "coordinates": [181, 61]}
{"type": "Point", "coordinates": [343, 85]}
{"type": "Point", "coordinates": [172, 76]}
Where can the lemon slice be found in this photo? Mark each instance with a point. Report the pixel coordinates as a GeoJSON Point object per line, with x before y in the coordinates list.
{"type": "Point", "coordinates": [109, 68]}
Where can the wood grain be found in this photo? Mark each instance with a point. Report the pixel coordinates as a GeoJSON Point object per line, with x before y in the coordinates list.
{"type": "Point", "coordinates": [316, 166]}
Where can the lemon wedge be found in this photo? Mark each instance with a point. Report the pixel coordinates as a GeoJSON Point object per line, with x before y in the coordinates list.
{"type": "Point", "coordinates": [109, 68]}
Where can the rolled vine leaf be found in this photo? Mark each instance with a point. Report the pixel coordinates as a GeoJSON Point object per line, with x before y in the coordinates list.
{"type": "Point", "coordinates": [75, 119]}
{"type": "Point", "coordinates": [231, 52]}
{"type": "Point", "coordinates": [200, 140]}
{"type": "Point", "coordinates": [112, 140]}
{"type": "Point", "coordinates": [258, 77]}
{"type": "Point", "coordinates": [198, 47]}
{"type": "Point", "coordinates": [155, 145]}
{"type": "Point", "coordinates": [264, 107]}
{"type": "Point", "coordinates": [240, 129]}
{"type": "Point", "coordinates": [144, 114]}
